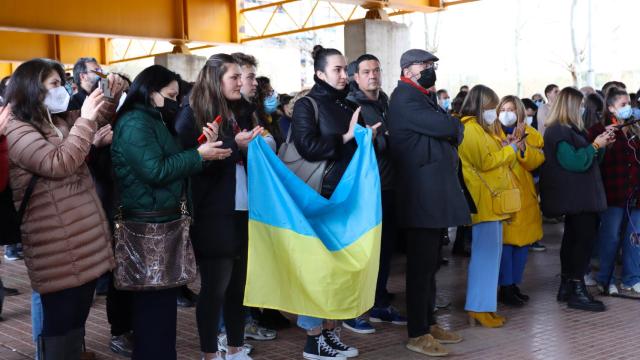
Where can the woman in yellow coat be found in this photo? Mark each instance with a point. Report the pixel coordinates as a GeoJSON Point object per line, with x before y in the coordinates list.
{"type": "Point", "coordinates": [525, 227]}
{"type": "Point", "coordinates": [486, 167]}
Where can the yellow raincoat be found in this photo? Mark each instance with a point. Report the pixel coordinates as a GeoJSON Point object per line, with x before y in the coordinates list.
{"type": "Point", "coordinates": [484, 158]}
{"type": "Point", "coordinates": [525, 227]}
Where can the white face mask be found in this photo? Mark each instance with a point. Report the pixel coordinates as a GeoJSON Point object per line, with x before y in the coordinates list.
{"type": "Point", "coordinates": [508, 118]}
{"type": "Point", "coordinates": [529, 120]}
{"type": "Point", "coordinates": [490, 116]}
{"type": "Point", "coordinates": [57, 100]}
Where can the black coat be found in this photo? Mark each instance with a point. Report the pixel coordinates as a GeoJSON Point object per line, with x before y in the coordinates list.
{"type": "Point", "coordinates": [213, 233]}
{"type": "Point", "coordinates": [373, 112]}
{"type": "Point", "coordinates": [424, 142]}
{"type": "Point", "coordinates": [323, 140]}
{"type": "Point", "coordinates": [564, 192]}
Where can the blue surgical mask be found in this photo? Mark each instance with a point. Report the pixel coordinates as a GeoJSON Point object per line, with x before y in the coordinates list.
{"type": "Point", "coordinates": [539, 103]}
{"type": "Point", "coordinates": [636, 113]}
{"type": "Point", "coordinates": [624, 112]}
{"type": "Point", "coordinates": [446, 104]}
{"type": "Point", "coordinates": [271, 103]}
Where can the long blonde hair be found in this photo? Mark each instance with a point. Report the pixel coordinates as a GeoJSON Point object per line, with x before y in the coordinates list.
{"type": "Point", "coordinates": [520, 112]}
{"type": "Point", "coordinates": [566, 109]}
{"type": "Point", "coordinates": [479, 99]}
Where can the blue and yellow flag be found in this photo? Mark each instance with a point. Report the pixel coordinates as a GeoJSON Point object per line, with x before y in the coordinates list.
{"type": "Point", "coordinates": [309, 255]}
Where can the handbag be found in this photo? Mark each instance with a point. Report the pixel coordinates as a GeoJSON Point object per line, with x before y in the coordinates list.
{"type": "Point", "coordinates": [504, 201]}
{"type": "Point", "coordinates": [311, 172]}
{"type": "Point", "coordinates": [153, 256]}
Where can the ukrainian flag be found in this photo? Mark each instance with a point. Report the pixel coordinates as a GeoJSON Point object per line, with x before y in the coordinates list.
{"type": "Point", "coordinates": [309, 255]}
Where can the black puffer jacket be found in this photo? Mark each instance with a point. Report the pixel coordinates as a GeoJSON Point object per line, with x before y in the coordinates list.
{"type": "Point", "coordinates": [323, 140]}
{"type": "Point", "coordinates": [373, 112]}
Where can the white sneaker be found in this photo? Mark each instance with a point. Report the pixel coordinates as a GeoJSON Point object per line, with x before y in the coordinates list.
{"type": "Point", "coordinates": [222, 344]}
{"type": "Point", "coordinates": [218, 356]}
{"type": "Point", "coordinates": [238, 356]}
{"type": "Point", "coordinates": [635, 288]}
{"type": "Point", "coordinates": [613, 289]}
{"type": "Point", "coordinates": [589, 280]}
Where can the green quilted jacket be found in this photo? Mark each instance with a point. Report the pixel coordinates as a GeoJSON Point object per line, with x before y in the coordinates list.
{"type": "Point", "coordinates": [150, 166]}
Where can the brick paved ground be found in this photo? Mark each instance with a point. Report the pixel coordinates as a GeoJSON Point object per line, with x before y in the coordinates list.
{"type": "Point", "coordinates": [543, 329]}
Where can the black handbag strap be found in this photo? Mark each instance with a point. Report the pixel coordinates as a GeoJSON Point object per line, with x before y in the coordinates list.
{"type": "Point", "coordinates": [151, 214]}
{"type": "Point", "coordinates": [26, 197]}
{"type": "Point", "coordinates": [316, 115]}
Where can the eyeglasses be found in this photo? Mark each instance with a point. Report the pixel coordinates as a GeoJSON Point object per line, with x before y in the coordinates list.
{"type": "Point", "coordinates": [428, 64]}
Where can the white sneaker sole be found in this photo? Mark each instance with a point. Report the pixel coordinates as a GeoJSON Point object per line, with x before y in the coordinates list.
{"type": "Point", "coordinates": [348, 353]}
{"type": "Point", "coordinates": [358, 331]}
{"type": "Point", "coordinates": [258, 337]}
{"type": "Point", "coordinates": [319, 357]}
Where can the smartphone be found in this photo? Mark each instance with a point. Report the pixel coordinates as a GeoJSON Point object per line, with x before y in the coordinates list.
{"type": "Point", "coordinates": [523, 137]}
{"type": "Point", "coordinates": [203, 138]}
{"type": "Point", "coordinates": [104, 84]}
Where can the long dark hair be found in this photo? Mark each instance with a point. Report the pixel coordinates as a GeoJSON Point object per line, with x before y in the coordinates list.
{"type": "Point", "coordinates": [261, 94]}
{"type": "Point", "coordinates": [150, 80]}
{"type": "Point", "coordinates": [207, 99]}
{"type": "Point", "coordinates": [26, 91]}
{"type": "Point", "coordinates": [593, 106]}
{"type": "Point", "coordinates": [612, 96]}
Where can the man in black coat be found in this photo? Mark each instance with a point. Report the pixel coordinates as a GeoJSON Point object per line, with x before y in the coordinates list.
{"type": "Point", "coordinates": [366, 91]}
{"type": "Point", "coordinates": [423, 143]}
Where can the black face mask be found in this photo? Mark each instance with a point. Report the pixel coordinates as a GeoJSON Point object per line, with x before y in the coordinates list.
{"type": "Point", "coordinates": [169, 110]}
{"type": "Point", "coordinates": [427, 78]}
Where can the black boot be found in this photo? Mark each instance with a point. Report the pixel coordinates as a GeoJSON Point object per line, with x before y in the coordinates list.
{"type": "Point", "coordinates": [52, 347]}
{"type": "Point", "coordinates": [564, 290]}
{"type": "Point", "coordinates": [507, 296]}
{"type": "Point", "coordinates": [580, 298]}
{"type": "Point", "coordinates": [519, 294]}
{"type": "Point", "coordinates": [75, 344]}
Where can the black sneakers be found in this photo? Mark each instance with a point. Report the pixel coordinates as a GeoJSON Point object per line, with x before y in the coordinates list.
{"type": "Point", "coordinates": [318, 349]}
{"type": "Point", "coordinates": [333, 339]}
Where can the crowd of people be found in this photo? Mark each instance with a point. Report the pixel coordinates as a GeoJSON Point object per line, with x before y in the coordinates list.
{"type": "Point", "coordinates": [81, 152]}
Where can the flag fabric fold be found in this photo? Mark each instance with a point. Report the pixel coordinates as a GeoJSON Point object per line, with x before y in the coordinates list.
{"type": "Point", "coordinates": [309, 255]}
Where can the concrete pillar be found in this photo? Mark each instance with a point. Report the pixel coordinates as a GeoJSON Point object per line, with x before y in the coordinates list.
{"type": "Point", "coordinates": [387, 40]}
{"type": "Point", "coordinates": [187, 65]}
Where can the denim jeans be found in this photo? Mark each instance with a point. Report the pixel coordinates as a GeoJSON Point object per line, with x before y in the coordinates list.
{"type": "Point", "coordinates": [614, 221]}
{"type": "Point", "coordinates": [309, 323]}
{"type": "Point", "coordinates": [36, 319]}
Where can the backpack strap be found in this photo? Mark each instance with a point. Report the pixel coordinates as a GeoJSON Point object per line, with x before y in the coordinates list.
{"type": "Point", "coordinates": [26, 197]}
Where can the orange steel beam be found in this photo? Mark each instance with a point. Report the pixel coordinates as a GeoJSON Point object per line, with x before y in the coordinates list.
{"type": "Point", "coordinates": [208, 21]}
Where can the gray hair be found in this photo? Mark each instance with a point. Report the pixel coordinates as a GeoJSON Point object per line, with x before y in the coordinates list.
{"type": "Point", "coordinates": [81, 67]}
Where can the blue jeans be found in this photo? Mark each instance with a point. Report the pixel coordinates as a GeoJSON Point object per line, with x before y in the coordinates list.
{"type": "Point", "coordinates": [484, 267]}
{"type": "Point", "coordinates": [611, 222]}
{"type": "Point", "coordinates": [36, 319]}
{"type": "Point", "coordinates": [512, 263]}
{"type": "Point", "coordinates": [309, 323]}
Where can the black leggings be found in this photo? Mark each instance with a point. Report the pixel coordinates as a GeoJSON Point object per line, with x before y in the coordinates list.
{"type": "Point", "coordinates": [222, 282]}
{"type": "Point", "coordinates": [67, 309]}
{"type": "Point", "coordinates": [580, 233]}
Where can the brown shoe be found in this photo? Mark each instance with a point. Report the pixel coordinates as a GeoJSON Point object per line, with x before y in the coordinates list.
{"type": "Point", "coordinates": [444, 336]}
{"type": "Point", "coordinates": [427, 345]}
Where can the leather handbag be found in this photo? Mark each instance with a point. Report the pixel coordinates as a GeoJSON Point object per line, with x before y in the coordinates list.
{"type": "Point", "coordinates": [311, 172]}
{"type": "Point", "coordinates": [153, 256]}
{"type": "Point", "coordinates": [504, 201]}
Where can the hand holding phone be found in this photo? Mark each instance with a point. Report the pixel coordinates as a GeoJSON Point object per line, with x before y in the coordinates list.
{"type": "Point", "coordinates": [104, 84]}
{"type": "Point", "coordinates": [203, 138]}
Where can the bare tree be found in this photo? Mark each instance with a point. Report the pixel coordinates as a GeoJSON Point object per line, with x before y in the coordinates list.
{"type": "Point", "coordinates": [431, 41]}
{"type": "Point", "coordinates": [575, 66]}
